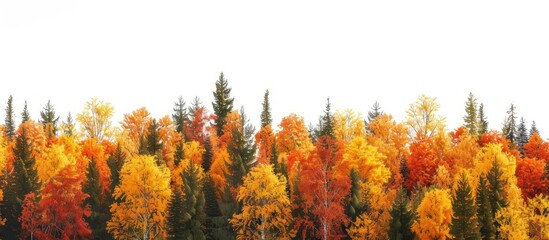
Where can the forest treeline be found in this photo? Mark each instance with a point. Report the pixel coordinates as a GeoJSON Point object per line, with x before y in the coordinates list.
{"type": "Point", "coordinates": [201, 173]}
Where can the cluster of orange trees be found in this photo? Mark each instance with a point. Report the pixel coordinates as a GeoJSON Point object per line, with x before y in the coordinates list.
{"type": "Point", "coordinates": [210, 175]}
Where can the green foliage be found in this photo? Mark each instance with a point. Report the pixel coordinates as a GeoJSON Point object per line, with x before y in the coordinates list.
{"type": "Point", "coordinates": [509, 125]}
{"type": "Point", "coordinates": [99, 207]}
{"type": "Point", "coordinates": [496, 191]}
{"type": "Point", "coordinates": [482, 121]}
{"type": "Point", "coordinates": [470, 118]}
{"type": "Point", "coordinates": [115, 162]}
{"type": "Point", "coordinates": [374, 112]}
{"type": "Point", "coordinates": [25, 116]}
{"type": "Point", "coordinates": [180, 116]}
{"type": "Point", "coordinates": [174, 219]}
{"type": "Point", "coordinates": [207, 155]}
{"type": "Point", "coordinates": [533, 129]}
{"type": "Point", "coordinates": [484, 210]}
{"type": "Point", "coordinates": [193, 203]}
{"type": "Point", "coordinates": [223, 103]}
{"type": "Point", "coordinates": [464, 220]}
{"type": "Point", "coordinates": [327, 127]}
{"type": "Point", "coordinates": [68, 126]}
{"type": "Point", "coordinates": [49, 120]}
{"type": "Point", "coordinates": [357, 205]}
{"type": "Point", "coordinates": [266, 118]}
{"type": "Point", "coordinates": [241, 150]}
{"type": "Point", "coordinates": [522, 135]}
{"type": "Point", "coordinates": [402, 217]}
{"type": "Point", "coordinates": [9, 122]}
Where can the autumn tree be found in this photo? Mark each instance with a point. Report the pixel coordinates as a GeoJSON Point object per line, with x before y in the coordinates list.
{"type": "Point", "coordinates": [522, 136]}
{"type": "Point", "coordinates": [223, 103]}
{"type": "Point", "coordinates": [241, 149]}
{"type": "Point", "coordinates": [348, 125]}
{"type": "Point", "coordinates": [292, 135]}
{"type": "Point", "coordinates": [326, 127]}
{"type": "Point", "coordinates": [95, 119]}
{"type": "Point", "coordinates": [434, 216]}
{"type": "Point", "coordinates": [141, 200]}
{"type": "Point", "coordinates": [422, 163]}
{"type": "Point", "coordinates": [68, 126]}
{"type": "Point", "coordinates": [374, 112]}
{"type": "Point", "coordinates": [180, 116]}
{"type": "Point", "coordinates": [536, 148]}
{"type": "Point", "coordinates": [3, 171]}
{"type": "Point", "coordinates": [98, 217]}
{"type": "Point", "coordinates": [324, 186]}
{"type": "Point", "coordinates": [266, 209]}
{"type": "Point", "coordinates": [400, 226]}
{"type": "Point", "coordinates": [9, 122]}
{"type": "Point", "coordinates": [193, 202]}
{"type": "Point", "coordinates": [485, 214]}
{"type": "Point", "coordinates": [49, 120]}
{"type": "Point", "coordinates": [509, 125]}
{"type": "Point", "coordinates": [531, 177]}
{"type": "Point", "coordinates": [25, 115]}
{"type": "Point", "coordinates": [266, 118]}
{"type": "Point", "coordinates": [482, 120]}
{"type": "Point", "coordinates": [470, 118]}
{"type": "Point", "coordinates": [31, 219]}
{"type": "Point", "coordinates": [423, 118]}
{"type": "Point", "coordinates": [265, 140]}
{"type": "Point", "coordinates": [538, 207]}
{"type": "Point", "coordinates": [533, 129]}
{"type": "Point", "coordinates": [464, 220]}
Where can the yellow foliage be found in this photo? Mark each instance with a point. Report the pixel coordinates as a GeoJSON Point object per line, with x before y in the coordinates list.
{"type": "Point", "coordinates": [218, 170]}
{"type": "Point", "coordinates": [293, 134]}
{"type": "Point", "coordinates": [51, 161]}
{"type": "Point", "coordinates": [143, 196]}
{"type": "Point", "coordinates": [484, 161]}
{"type": "Point", "coordinates": [193, 151]}
{"type": "Point", "coordinates": [513, 221]}
{"type": "Point", "coordinates": [423, 117]}
{"type": "Point", "coordinates": [95, 119]}
{"type": "Point", "coordinates": [538, 216]}
{"type": "Point", "coordinates": [3, 161]}
{"type": "Point", "coordinates": [348, 125]}
{"type": "Point", "coordinates": [434, 216]}
{"type": "Point", "coordinates": [370, 224]}
{"type": "Point", "coordinates": [367, 160]}
{"type": "Point", "coordinates": [266, 208]}
{"type": "Point", "coordinates": [442, 178]}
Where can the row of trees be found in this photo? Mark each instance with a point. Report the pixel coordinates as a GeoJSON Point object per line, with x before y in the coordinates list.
{"type": "Point", "coordinates": [204, 175]}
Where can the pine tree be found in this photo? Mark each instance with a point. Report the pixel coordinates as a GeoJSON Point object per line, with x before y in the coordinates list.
{"type": "Point", "coordinates": [496, 191]}
{"type": "Point", "coordinates": [10, 119]}
{"type": "Point", "coordinates": [374, 112]}
{"type": "Point", "coordinates": [180, 116]}
{"type": "Point", "coordinates": [241, 150]}
{"type": "Point", "coordinates": [485, 214]}
{"type": "Point", "coordinates": [98, 218]}
{"type": "Point", "coordinates": [68, 126]}
{"type": "Point", "coordinates": [179, 153]}
{"type": "Point", "coordinates": [193, 202]}
{"type": "Point", "coordinates": [174, 219]}
{"type": "Point", "coordinates": [195, 105]}
{"type": "Point", "coordinates": [522, 135]}
{"type": "Point", "coordinates": [470, 118]}
{"type": "Point", "coordinates": [115, 162]}
{"type": "Point", "coordinates": [25, 116]}
{"type": "Point", "coordinates": [327, 126]}
{"type": "Point", "coordinates": [223, 103]}
{"type": "Point", "coordinates": [400, 226]}
{"type": "Point", "coordinates": [266, 118]}
{"type": "Point", "coordinates": [464, 220]}
{"type": "Point", "coordinates": [482, 121]}
{"type": "Point", "coordinates": [357, 205]}
{"type": "Point", "coordinates": [11, 208]}
{"type": "Point", "coordinates": [510, 125]}
{"type": "Point", "coordinates": [207, 155]}
{"type": "Point", "coordinates": [49, 120]}
{"type": "Point", "coordinates": [533, 129]}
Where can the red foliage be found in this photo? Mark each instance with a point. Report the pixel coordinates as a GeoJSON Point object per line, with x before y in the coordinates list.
{"type": "Point", "coordinates": [264, 140]}
{"type": "Point", "coordinates": [497, 138]}
{"type": "Point", "coordinates": [530, 176]}
{"type": "Point", "coordinates": [196, 127]}
{"type": "Point", "coordinates": [537, 148]}
{"type": "Point", "coordinates": [422, 163]}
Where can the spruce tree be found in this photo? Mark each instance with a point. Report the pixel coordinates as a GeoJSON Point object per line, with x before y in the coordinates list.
{"type": "Point", "coordinates": [485, 213]}
{"type": "Point", "coordinates": [25, 116]}
{"type": "Point", "coordinates": [180, 116]}
{"type": "Point", "coordinates": [98, 218]}
{"type": "Point", "coordinates": [223, 103]}
{"type": "Point", "coordinates": [68, 126]}
{"type": "Point", "coordinates": [357, 206]}
{"type": "Point", "coordinates": [470, 118]}
{"type": "Point", "coordinates": [207, 155]}
{"type": "Point", "coordinates": [374, 112]}
{"type": "Point", "coordinates": [195, 105]}
{"type": "Point", "coordinates": [522, 135]}
{"type": "Point", "coordinates": [266, 118]}
{"type": "Point", "coordinates": [10, 207]}
{"type": "Point", "coordinates": [402, 217]}
{"type": "Point", "coordinates": [115, 162]}
{"type": "Point", "coordinates": [193, 202]}
{"type": "Point", "coordinates": [49, 120]}
{"type": "Point", "coordinates": [533, 129]}
{"type": "Point", "coordinates": [464, 220]}
{"type": "Point", "coordinates": [496, 191]}
{"type": "Point", "coordinates": [179, 153]}
{"type": "Point", "coordinates": [241, 150]}
{"type": "Point", "coordinates": [175, 226]}
{"type": "Point", "coordinates": [482, 121]}
{"type": "Point", "coordinates": [327, 122]}
{"type": "Point", "coordinates": [510, 125]}
{"type": "Point", "coordinates": [10, 119]}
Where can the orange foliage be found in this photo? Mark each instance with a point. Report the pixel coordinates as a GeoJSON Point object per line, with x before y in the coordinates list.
{"type": "Point", "coordinates": [537, 148]}
{"type": "Point", "coordinates": [197, 126]}
{"type": "Point", "coordinates": [91, 149]}
{"type": "Point", "coordinates": [530, 176]}
{"type": "Point", "coordinates": [497, 138]}
{"type": "Point", "coordinates": [422, 163]}
{"type": "Point", "coordinates": [264, 140]}
{"type": "Point", "coordinates": [293, 134]}
{"type": "Point", "coordinates": [137, 123]}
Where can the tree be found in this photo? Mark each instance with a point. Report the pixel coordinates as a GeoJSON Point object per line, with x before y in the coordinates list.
{"type": "Point", "coordinates": [538, 207]}
{"type": "Point", "coordinates": [174, 224]}
{"type": "Point", "coordinates": [223, 103]}
{"type": "Point", "coordinates": [464, 220]}
{"type": "Point", "coordinates": [374, 112]}
{"type": "Point", "coordinates": [402, 217]}
{"type": "Point", "coordinates": [137, 125]}
{"type": "Point", "coordinates": [484, 211]}
{"type": "Point", "coordinates": [292, 135]}
{"type": "Point", "coordinates": [49, 120]}
{"type": "Point", "coordinates": [324, 186]}
{"type": "Point", "coordinates": [536, 148]}
{"type": "Point", "coordinates": [208, 155]}
{"type": "Point", "coordinates": [422, 163]}
{"type": "Point", "coordinates": [496, 189]}
{"type": "Point", "coordinates": [264, 140]}
{"type": "Point", "coordinates": [25, 115]}
{"type": "Point", "coordinates": [195, 105]}
{"type": "Point", "coordinates": [434, 216]}
{"type": "Point", "coordinates": [357, 204]}
{"type": "Point", "coordinates": [348, 125]}
{"type": "Point", "coordinates": [10, 119]}
{"type": "Point", "coordinates": [531, 177]}
{"type": "Point", "coordinates": [154, 145]}
{"type": "Point", "coordinates": [327, 122]}
{"type": "Point", "coordinates": [510, 125]}
{"type": "Point", "coordinates": [62, 208]}
{"type": "Point", "coordinates": [533, 129]}
{"type": "Point", "coordinates": [95, 200]}
{"type": "Point", "coordinates": [522, 136]}
{"type": "Point", "coordinates": [193, 202]}
{"type": "Point", "coordinates": [266, 211]}
{"type": "Point", "coordinates": [141, 200]}
{"type": "Point", "coordinates": [68, 126]}
{"type": "Point", "coordinates": [266, 118]}
{"type": "Point", "coordinates": [180, 116]}
{"type": "Point", "coordinates": [241, 149]}
{"type": "Point", "coordinates": [482, 121]}
{"type": "Point", "coordinates": [30, 216]}
{"type": "Point", "coordinates": [3, 172]}
{"type": "Point", "coordinates": [470, 118]}
{"type": "Point", "coordinates": [423, 118]}
{"type": "Point", "coordinates": [26, 177]}
{"type": "Point", "coordinates": [115, 162]}
{"type": "Point", "coordinates": [95, 120]}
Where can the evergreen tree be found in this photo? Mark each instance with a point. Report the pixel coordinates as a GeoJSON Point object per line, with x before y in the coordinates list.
{"type": "Point", "coordinates": [223, 103]}
{"type": "Point", "coordinates": [485, 214]}
{"type": "Point", "coordinates": [357, 205]}
{"type": "Point", "coordinates": [180, 116]}
{"type": "Point", "coordinates": [496, 191]}
{"type": "Point", "coordinates": [464, 220]}
{"type": "Point", "coordinates": [68, 126]}
{"type": "Point", "coordinates": [115, 162]}
{"type": "Point", "coordinates": [25, 116]}
{"type": "Point", "coordinates": [470, 118]}
{"type": "Point", "coordinates": [509, 125]}
{"type": "Point", "coordinates": [533, 130]}
{"type": "Point", "coordinates": [10, 119]}
{"type": "Point", "coordinates": [10, 207]}
{"type": "Point", "coordinates": [175, 226]}
{"type": "Point", "coordinates": [374, 112]}
{"type": "Point", "coordinates": [482, 121]}
{"type": "Point", "coordinates": [193, 202]}
{"type": "Point", "coordinates": [49, 120]}
{"type": "Point", "coordinates": [195, 105]}
{"type": "Point", "coordinates": [179, 154]}
{"type": "Point", "coordinates": [327, 126]}
{"type": "Point", "coordinates": [241, 150]}
{"type": "Point", "coordinates": [400, 226]}
{"type": "Point", "coordinates": [98, 218]}
{"type": "Point", "coordinates": [522, 135]}
{"type": "Point", "coordinates": [266, 118]}
{"type": "Point", "coordinates": [207, 155]}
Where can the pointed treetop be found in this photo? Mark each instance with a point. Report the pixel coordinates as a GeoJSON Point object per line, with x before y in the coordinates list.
{"type": "Point", "coordinates": [510, 125]}
{"type": "Point", "coordinates": [470, 118]}
{"type": "Point", "coordinates": [522, 135]}
{"type": "Point", "coordinates": [223, 103]}
{"type": "Point", "coordinates": [25, 116]}
{"type": "Point", "coordinates": [266, 118]}
{"type": "Point", "coordinates": [10, 119]}
{"type": "Point", "coordinates": [374, 112]}
{"type": "Point", "coordinates": [327, 120]}
{"type": "Point", "coordinates": [180, 115]}
{"type": "Point", "coordinates": [482, 121]}
{"type": "Point", "coordinates": [533, 129]}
